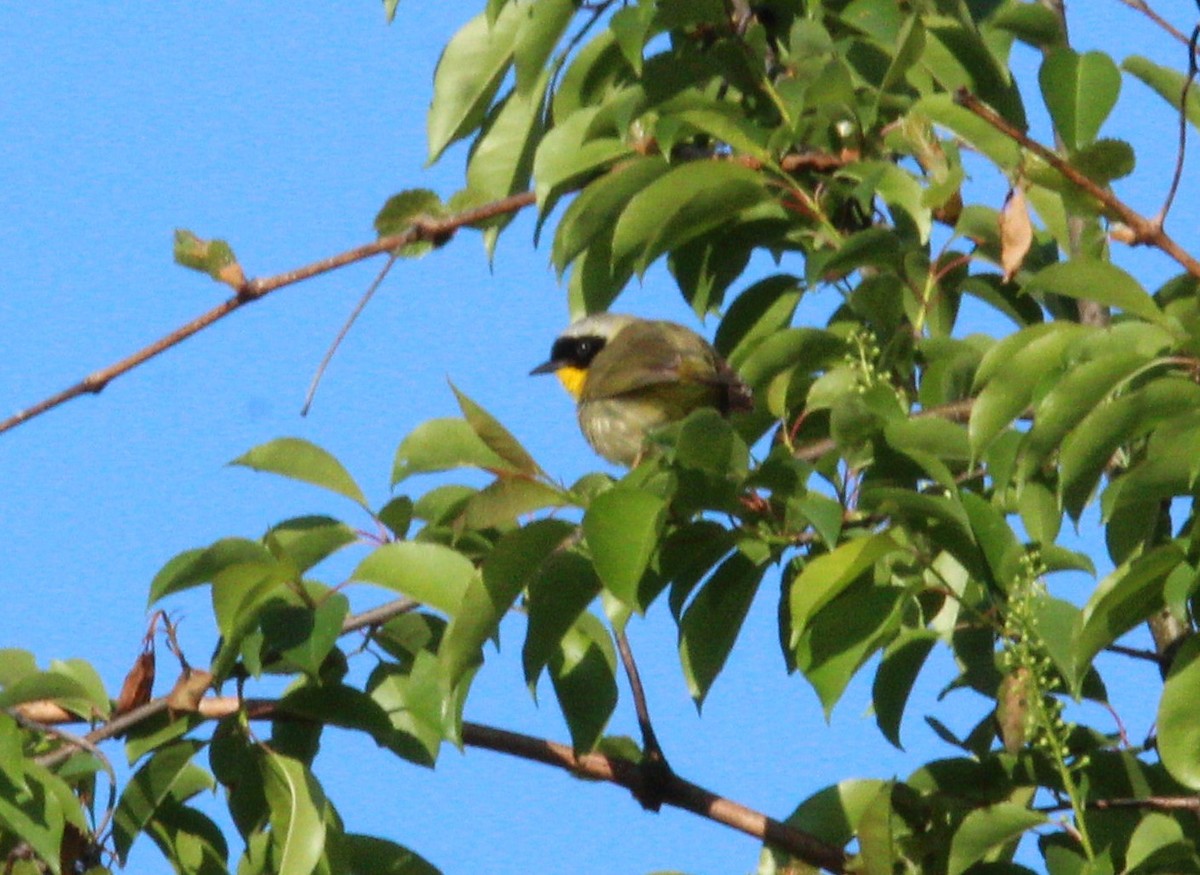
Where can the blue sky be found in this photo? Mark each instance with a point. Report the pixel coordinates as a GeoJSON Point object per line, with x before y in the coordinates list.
{"type": "Point", "coordinates": [283, 130]}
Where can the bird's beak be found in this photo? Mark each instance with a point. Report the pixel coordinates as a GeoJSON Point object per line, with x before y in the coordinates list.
{"type": "Point", "coordinates": [546, 368]}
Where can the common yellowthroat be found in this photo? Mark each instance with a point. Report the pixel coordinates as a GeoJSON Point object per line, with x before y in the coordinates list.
{"type": "Point", "coordinates": [630, 376]}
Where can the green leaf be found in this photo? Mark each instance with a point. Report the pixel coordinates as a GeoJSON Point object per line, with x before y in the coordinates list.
{"type": "Point", "coordinates": [502, 157]}
{"type": "Point", "coordinates": [826, 576]}
{"type": "Point", "coordinates": [1072, 397]}
{"type": "Point", "coordinates": [304, 636]}
{"type": "Point", "coordinates": [1058, 624]}
{"type": "Point", "coordinates": [1105, 160]}
{"type": "Point", "coordinates": [168, 769]}
{"type": "Point", "coordinates": [369, 855]}
{"type": "Point", "coordinates": [942, 110]}
{"type": "Point", "coordinates": [1099, 281]}
{"type": "Point", "coordinates": [308, 540]}
{"type": "Point", "coordinates": [622, 527]}
{"type": "Point", "coordinates": [1178, 729]}
{"type": "Point", "coordinates": [509, 568]}
{"type": "Point", "coordinates": [1167, 82]}
{"type": "Point", "coordinates": [213, 257]}
{"type": "Point", "coordinates": [834, 812]}
{"type": "Point", "coordinates": [563, 588]}
{"type": "Point", "coordinates": [468, 74]}
{"type": "Point", "coordinates": [296, 813]}
{"type": "Point", "coordinates": [496, 437]}
{"type": "Point", "coordinates": [594, 212]}
{"type": "Point", "coordinates": [583, 670]}
{"type": "Point", "coordinates": [1123, 600]}
{"type": "Point", "coordinates": [569, 153]}
{"type": "Point", "coordinates": [302, 460]}
{"type": "Point", "coordinates": [1080, 91]}
{"type": "Point", "coordinates": [1087, 449]}
{"type": "Point", "coordinates": [239, 595]}
{"type": "Point", "coordinates": [194, 567]}
{"type": "Point", "coordinates": [415, 704]}
{"type": "Point", "coordinates": [189, 839]}
{"type": "Point", "coordinates": [504, 500]}
{"type": "Point", "coordinates": [1010, 390]}
{"type": "Point", "coordinates": [425, 572]}
{"type": "Point", "coordinates": [688, 201]}
{"type": "Point", "coordinates": [442, 445]}
{"type": "Point", "coordinates": [544, 24]}
{"type": "Point", "coordinates": [755, 315]}
{"type": "Point", "coordinates": [724, 123]}
{"type": "Point", "coordinates": [1158, 845]}
{"type": "Point", "coordinates": [898, 670]}
{"type": "Point", "coordinates": [711, 623]}
{"type": "Point", "coordinates": [986, 833]}
{"type": "Point", "coordinates": [839, 639]}
{"type": "Point", "coordinates": [56, 686]}
{"type": "Point", "coordinates": [36, 815]}
{"type": "Point", "coordinates": [404, 209]}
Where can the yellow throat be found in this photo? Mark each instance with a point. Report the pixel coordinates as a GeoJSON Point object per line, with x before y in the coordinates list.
{"type": "Point", "coordinates": [572, 379]}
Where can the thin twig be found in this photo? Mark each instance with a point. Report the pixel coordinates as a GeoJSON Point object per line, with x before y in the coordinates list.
{"type": "Point", "coordinates": [378, 616]}
{"type": "Point", "coordinates": [1135, 653]}
{"type": "Point", "coordinates": [345, 329]}
{"type": "Point", "coordinates": [1151, 803]}
{"type": "Point", "coordinates": [1144, 8]}
{"type": "Point", "coordinates": [656, 771]}
{"type": "Point", "coordinates": [649, 739]}
{"type": "Point", "coordinates": [1143, 230]}
{"type": "Point", "coordinates": [436, 231]}
{"type": "Point", "coordinates": [1181, 149]}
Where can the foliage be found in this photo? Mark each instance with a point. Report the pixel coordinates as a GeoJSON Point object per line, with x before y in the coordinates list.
{"type": "Point", "coordinates": [906, 484]}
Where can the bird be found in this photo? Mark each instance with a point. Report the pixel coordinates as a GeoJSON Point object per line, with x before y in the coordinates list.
{"type": "Point", "coordinates": [630, 376]}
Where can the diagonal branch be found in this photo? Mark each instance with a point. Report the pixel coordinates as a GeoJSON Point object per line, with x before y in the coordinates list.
{"type": "Point", "coordinates": [1143, 230]}
{"type": "Point", "coordinates": [436, 231]}
{"type": "Point", "coordinates": [675, 791]}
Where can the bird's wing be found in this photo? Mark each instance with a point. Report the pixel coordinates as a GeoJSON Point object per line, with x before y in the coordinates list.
{"type": "Point", "coordinates": [653, 353]}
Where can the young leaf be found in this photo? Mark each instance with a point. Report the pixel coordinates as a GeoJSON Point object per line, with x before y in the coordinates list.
{"type": "Point", "coordinates": [194, 567]}
{"type": "Point", "coordinates": [898, 670]}
{"type": "Point", "coordinates": [988, 830]}
{"type": "Point", "coordinates": [1080, 91]}
{"type": "Point", "coordinates": [825, 577]}
{"type": "Point", "coordinates": [302, 460]}
{"type": "Point", "coordinates": [425, 572]}
{"type": "Point", "coordinates": [152, 785]}
{"type": "Point", "coordinates": [468, 74]}
{"type": "Point", "coordinates": [297, 814]}
{"type": "Point", "coordinates": [583, 670]}
{"type": "Point", "coordinates": [563, 588]}
{"type": "Point", "coordinates": [508, 569]}
{"type": "Point", "coordinates": [496, 437]}
{"type": "Point", "coordinates": [622, 528]}
{"type": "Point", "coordinates": [213, 257]}
{"type": "Point", "coordinates": [1122, 600]}
{"type": "Point", "coordinates": [690, 200]}
{"type": "Point", "coordinates": [441, 445]}
{"type": "Point", "coordinates": [711, 623]}
{"type": "Point", "coordinates": [1099, 281]}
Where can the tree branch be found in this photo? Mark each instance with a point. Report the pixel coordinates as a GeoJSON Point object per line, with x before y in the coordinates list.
{"type": "Point", "coordinates": [1143, 231]}
{"type": "Point", "coordinates": [436, 231]}
{"type": "Point", "coordinates": [676, 791]}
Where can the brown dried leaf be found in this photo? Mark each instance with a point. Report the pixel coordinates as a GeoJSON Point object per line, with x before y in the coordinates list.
{"type": "Point", "coordinates": [138, 683]}
{"type": "Point", "coordinates": [1012, 709]}
{"type": "Point", "coordinates": [1016, 232]}
{"type": "Point", "coordinates": [193, 683]}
